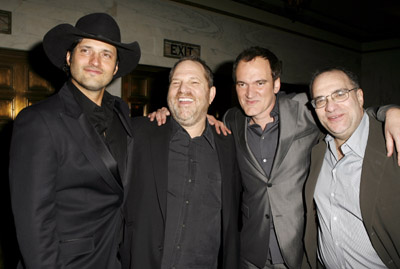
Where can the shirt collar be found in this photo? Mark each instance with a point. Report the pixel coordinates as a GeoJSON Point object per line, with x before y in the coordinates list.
{"type": "Point", "coordinates": [87, 105]}
{"type": "Point", "coordinates": [207, 133]}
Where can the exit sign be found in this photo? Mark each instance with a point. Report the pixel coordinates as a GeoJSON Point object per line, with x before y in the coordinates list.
{"type": "Point", "coordinates": [176, 49]}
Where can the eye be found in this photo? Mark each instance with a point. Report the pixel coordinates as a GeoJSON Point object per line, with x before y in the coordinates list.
{"type": "Point", "coordinates": [340, 93]}
{"type": "Point", "coordinates": [260, 83]}
{"type": "Point", "coordinates": [240, 84]}
{"type": "Point", "coordinates": [319, 101]}
{"type": "Point", "coordinates": [175, 83]}
{"type": "Point", "coordinates": [107, 55]}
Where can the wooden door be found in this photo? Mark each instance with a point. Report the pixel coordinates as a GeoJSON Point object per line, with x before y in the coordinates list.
{"type": "Point", "coordinates": [20, 86]}
{"type": "Point", "coordinates": [145, 89]}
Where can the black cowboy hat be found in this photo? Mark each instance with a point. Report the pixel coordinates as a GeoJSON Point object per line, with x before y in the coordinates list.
{"type": "Point", "coordinates": [99, 26]}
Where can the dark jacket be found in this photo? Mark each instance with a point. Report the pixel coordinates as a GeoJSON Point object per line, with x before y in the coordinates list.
{"type": "Point", "coordinates": [146, 205]}
{"type": "Point", "coordinates": [379, 199]}
{"type": "Point", "coordinates": [65, 194]}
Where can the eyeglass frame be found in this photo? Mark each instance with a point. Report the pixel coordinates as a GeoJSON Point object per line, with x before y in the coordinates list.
{"type": "Point", "coordinates": [325, 98]}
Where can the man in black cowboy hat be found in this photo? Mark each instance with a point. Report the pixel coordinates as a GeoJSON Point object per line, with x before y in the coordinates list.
{"type": "Point", "coordinates": [70, 156]}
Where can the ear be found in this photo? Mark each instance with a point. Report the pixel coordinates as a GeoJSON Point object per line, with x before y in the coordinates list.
{"type": "Point", "coordinates": [68, 58]}
{"type": "Point", "coordinates": [212, 94]}
{"type": "Point", "coordinates": [360, 97]}
{"type": "Point", "coordinates": [277, 85]}
{"type": "Point", "coordinates": [116, 69]}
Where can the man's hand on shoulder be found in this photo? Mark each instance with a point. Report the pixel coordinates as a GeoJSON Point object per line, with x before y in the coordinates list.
{"type": "Point", "coordinates": [219, 125]}
{"type": "Point", "coordinates": [392, 132]}
{"type": "Point", "coordinates": [160, 115]}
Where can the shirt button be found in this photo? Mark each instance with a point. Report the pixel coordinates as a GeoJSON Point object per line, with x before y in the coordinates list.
{"type": "Point", "coordinates": [190, 180]}
{"type": "Point", "coordinates": [178, 247]}
{"type": "Point", "coordinates": [267, 216]}
{"type": "Point", "coordinates": [262, 137]}
{"type": "Point", "coordinates": [183, 225]}
{"type": "Point", "coordinates": [187, 202]}
{"type": "Point", "coordinates": [332, 194]}
{"type": "Point", "coordinates": [335, 218]}
{"type": "Point", "coordinates": [269, 185]}
{"type": "Point", "coordinates": [264, 160]}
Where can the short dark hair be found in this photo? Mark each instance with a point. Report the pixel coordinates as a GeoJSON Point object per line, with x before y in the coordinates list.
{"type": "Point", "coordinates": [71, 49]}
{"type": "Point", "coordinates": [351, 75]}
{"type": "Point", "coordinates": [253, 52]}
{"type": "Point", "coordinates": [207, 70]}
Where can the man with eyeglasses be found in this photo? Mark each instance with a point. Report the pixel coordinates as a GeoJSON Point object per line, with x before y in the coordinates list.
{"type": "Point", "coordinates": [274, 133]}
{"type": "Point", "coordinates": [351, 194]}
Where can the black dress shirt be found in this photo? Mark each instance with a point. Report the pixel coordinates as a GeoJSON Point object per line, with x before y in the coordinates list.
{"type": "Point", "coordinates": [263, 144]}
{"type": "Point", "coordinates": [193, 223]}
{"type": "Point", "coordinates": [106, 121]}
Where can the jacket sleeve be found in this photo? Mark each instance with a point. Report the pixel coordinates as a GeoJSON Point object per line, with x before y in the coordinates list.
{"type": "Point", "coordinates": [379, 113]}
{"type": "Point", "coordinates": [33, 169]}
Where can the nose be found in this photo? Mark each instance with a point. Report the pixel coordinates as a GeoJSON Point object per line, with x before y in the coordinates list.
{"type": "Point", "coordinates": [330, 105]}
{"type": "Point", "coordinates": [183, 88]}
{"type": "Point", "coordinates": [249, 92]}
{"type": "Point", "coordinates": [94, 59]}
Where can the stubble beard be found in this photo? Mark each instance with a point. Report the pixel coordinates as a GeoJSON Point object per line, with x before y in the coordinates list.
{"type": "Point", "coordinates": [186, 117]}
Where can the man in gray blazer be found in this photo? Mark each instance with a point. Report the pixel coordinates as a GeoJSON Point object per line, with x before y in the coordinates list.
{"type": "Point", "coordinates": [274, 133]}
{"type": "Point", "coordinates": [352, 193]}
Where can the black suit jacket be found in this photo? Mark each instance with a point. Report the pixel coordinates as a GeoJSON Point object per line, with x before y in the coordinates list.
{"type": "Point", "coordinates": [146, 205]}
{"type": "Point", "coordinates": [65, 195]}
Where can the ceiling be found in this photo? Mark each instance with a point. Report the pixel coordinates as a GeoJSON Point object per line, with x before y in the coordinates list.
{"type": "Point", "coordinates": [360, 20]}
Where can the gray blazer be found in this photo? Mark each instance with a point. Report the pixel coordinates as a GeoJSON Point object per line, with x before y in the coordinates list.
{"type": "Point", "coordinates": [379, 199]}
{"type": "Point", "coordinates": [279, 196]}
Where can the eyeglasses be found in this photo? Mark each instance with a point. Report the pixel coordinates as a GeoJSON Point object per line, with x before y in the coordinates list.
{"type": "Point", "coordinates": [337, 97]}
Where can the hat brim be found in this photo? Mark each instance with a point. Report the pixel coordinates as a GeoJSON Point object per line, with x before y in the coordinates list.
{"type": "Point", "coordinates": [59, 39]}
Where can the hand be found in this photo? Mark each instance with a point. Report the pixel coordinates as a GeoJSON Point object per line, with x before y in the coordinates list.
{"type": "Point", "coordinates": [160, 115]}
{"type": "Point", "coordinates": [219, 125]}
{"type": "Point", "coordinates": [392, 132]}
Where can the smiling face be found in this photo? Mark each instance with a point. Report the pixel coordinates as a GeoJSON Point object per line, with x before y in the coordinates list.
{"type": "Point", "coordinates": [339, 119]}
{"type": "Point", "coordinates": [189, 95]}
{"type": "Point", "coordinates": [92, 65]}
{"type": "Point", "coordinates": [256, 89]}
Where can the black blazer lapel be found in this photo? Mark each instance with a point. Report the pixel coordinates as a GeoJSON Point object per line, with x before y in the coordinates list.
{"type": "Point", "coordinates": [89, 140]}
{"type": "Point", "coordinates": [123, 114]}
{"type": "Point", "coordinates": [159, 147]}
{"type": "Point", "coordinates": [228, 184]}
